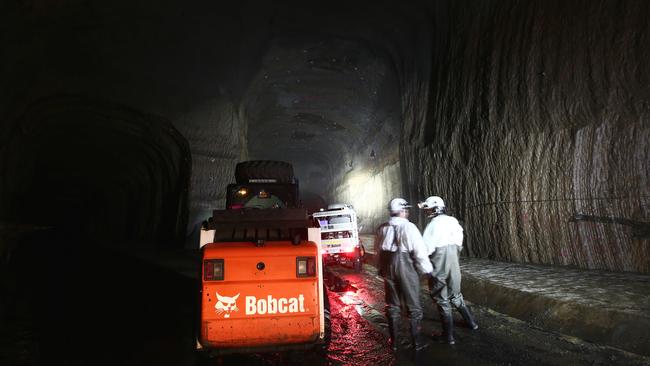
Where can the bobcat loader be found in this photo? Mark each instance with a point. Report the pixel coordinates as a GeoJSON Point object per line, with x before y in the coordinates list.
{"type": "Point", "coordinates": [261, 268]}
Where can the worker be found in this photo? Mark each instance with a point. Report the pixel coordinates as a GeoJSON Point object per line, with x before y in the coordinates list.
{"type": "Point", "coordinates": [444, 239]}
{"type": "Point", "coordinates": [402, 254]}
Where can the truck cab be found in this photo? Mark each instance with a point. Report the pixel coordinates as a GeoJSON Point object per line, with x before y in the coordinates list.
{"type": "Point", "coordinates": [340, 236]}
{"type": "Point", "coordinates": [261, 273]}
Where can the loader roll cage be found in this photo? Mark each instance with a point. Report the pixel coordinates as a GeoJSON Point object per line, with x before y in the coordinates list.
{"type": "Point", "coordinates": [258, 226]}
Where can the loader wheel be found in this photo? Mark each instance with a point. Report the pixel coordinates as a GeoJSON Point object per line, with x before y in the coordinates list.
{"type": "Point", "coordinates": [281, 171]}
{"type": "Point", "coordinates": [328, 319]}
{"type": "Point", "coordinates": [328, 327]}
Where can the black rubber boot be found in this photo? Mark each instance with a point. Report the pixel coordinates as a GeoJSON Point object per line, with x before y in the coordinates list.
{"type": "Point", "coordinates": [448, 328]}
{"type": "Point", "coordinates": [447, 335]}
{"type": "Point", "coordinates": [416, 336]}
{"type": "Point", "coordinates": [467, 315]}
{"type": "Point", "coordinates": [393, 330]}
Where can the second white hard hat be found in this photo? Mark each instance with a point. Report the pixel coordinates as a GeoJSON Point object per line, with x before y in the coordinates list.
{"type": "Point", "coordinates": [431, 202]}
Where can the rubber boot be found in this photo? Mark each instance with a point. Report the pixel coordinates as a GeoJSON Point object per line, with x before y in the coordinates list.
{"type": "Point", "coordinates": [448, 328]}
{"type": "Point", "coordinates": [416, 336]}
{"type": "Point", "coordinates": [467, 315]}
{"type": "Point", "coordinates": [393, 330]}
{"type": "Point", "coordinates": [447, 335]}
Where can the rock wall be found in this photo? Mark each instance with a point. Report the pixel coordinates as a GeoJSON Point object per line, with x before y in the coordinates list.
{"type": "Point", "coordinates": [185, 65]}
{"type": "Point", "coordinates": [537, 130]}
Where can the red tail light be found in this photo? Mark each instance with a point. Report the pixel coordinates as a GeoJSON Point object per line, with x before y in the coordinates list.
{"type": "Point", "coordinates": [305, 266]}
{"type": "Point", "coordinates": [213, 270]}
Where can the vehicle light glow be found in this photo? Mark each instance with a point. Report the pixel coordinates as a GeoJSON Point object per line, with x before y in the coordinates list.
{"type": "Point", "coordinates": [367, 193]}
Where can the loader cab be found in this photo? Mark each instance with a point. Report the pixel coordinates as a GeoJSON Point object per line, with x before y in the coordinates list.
{"type": "Point", "coordinates": [261, 195]}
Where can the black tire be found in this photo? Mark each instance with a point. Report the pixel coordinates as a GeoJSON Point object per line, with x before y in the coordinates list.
{"type": "Point", "coordinates": [358, 262]}
{"type": "Point", "coordinates": [358, 265]}
{"type": "Point", "coordinates": [328, 319]}
{"type": "Point", "coordinates": [281, 171]}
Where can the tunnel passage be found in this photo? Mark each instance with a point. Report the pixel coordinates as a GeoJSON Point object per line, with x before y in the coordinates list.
{"type": "Point", "coordinates": [328, 104]}
{"type": "Point", "coordinates": [99, 170]}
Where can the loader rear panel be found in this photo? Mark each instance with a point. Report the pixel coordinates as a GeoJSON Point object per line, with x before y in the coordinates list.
{"type": "Point", "coordinates": [262, 300]}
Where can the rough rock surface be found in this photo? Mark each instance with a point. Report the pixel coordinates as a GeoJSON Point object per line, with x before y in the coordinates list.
{"type": "Point", "coordinates": [537, 130]}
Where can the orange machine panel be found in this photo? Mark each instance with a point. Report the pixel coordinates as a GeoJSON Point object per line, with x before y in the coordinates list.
{"type": "Point", "coordinates": [261, 301]}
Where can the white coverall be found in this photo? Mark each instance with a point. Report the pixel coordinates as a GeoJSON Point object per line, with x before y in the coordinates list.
{"type": "Point", "coordinates": [444, 239]}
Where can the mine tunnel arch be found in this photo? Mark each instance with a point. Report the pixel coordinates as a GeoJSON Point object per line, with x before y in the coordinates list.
{"type": "Point", "coordinates": [97, 169]}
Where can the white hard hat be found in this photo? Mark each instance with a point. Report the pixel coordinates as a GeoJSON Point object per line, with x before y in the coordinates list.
{"type": "Point", "coordinates": [397, 205]}
{"type": "Point", "coordinates": [431, 202]}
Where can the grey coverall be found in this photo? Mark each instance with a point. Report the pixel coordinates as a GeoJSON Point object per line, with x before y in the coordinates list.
{"type": "Point", "coordinates": [444, 238]}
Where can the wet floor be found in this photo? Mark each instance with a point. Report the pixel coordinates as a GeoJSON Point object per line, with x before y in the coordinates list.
{"type": "Point", "coordinates": [71, 303]}
{"type": "Point", "coordinates": [500, 340]}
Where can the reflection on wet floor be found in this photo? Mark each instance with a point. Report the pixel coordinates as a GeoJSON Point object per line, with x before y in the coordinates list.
{"type": "Point", "coordinates": [354, 340]}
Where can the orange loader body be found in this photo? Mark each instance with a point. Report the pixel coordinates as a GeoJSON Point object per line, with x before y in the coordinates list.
{"type": "Point", "coordinates": [261, 301]}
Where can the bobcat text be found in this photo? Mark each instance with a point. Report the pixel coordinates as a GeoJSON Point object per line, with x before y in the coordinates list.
{"type": "Point", "coordinates": [271, 305]}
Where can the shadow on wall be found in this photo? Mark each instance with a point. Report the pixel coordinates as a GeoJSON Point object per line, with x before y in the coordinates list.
{"type": "Point", "coordinates": [96, 168]}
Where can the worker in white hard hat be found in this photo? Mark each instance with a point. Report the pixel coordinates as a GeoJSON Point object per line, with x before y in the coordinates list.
{"type": "Point", "coordinates": [444, 239]}
{"type": "Point", "coordinates": [402, 253]}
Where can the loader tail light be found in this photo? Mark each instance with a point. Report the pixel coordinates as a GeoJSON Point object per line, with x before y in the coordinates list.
{"type": "Point", "coordinates": [305, 266]}
{"type": "Point", "coordinates": [213, 270]}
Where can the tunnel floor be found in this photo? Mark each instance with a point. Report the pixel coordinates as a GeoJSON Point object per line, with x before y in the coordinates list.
{"type": "Point", "coordinates": [500, 339]}
{"type": "Point", "coordinates": [74, 303]}
{"type": "Point", "coordinates": [611, 308]}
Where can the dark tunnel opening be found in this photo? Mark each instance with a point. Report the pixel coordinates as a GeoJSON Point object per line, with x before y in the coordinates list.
{"type": "Point", "coordinates": [99, 171]}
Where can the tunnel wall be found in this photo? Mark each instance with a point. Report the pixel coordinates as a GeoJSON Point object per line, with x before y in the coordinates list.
{"type": "Point", "coordinates": [537, 128]}
{"type": "Point", "coordinates": [188, 65]}
{"type": "Point", "coordinates": [96, 170]}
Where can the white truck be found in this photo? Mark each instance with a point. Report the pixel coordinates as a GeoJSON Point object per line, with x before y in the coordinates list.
{"type": "Point", "coordinates": [340, 241]}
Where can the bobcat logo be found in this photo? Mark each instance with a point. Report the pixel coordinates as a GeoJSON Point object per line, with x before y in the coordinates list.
{"type": "Point", "coordinates": [226, 305]}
